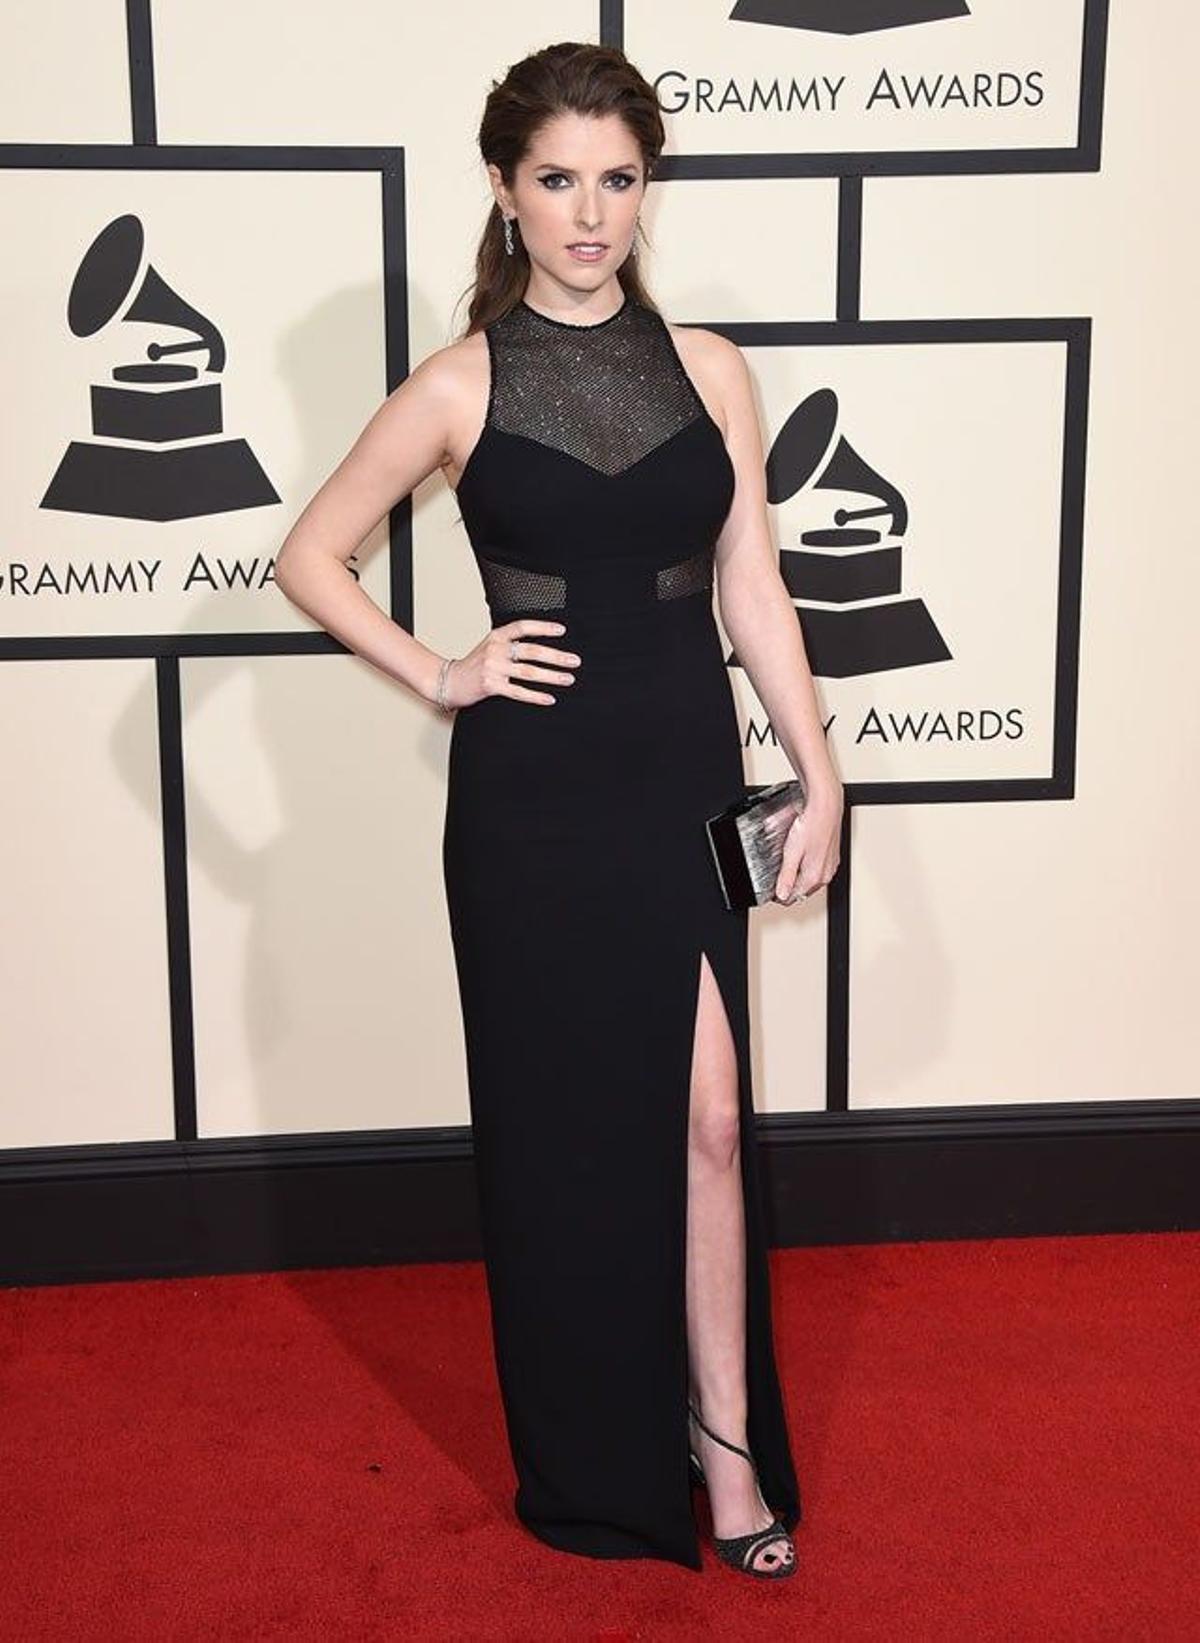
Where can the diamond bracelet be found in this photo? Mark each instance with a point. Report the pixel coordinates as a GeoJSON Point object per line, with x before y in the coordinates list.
{"type": "Point", "coordinates": [443, 671]}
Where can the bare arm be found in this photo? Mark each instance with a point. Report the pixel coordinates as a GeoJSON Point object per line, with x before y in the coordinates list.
{"type": "Point", "coordinates": [759, 617]}
{"type": "Point", "coordinates": [402, 444]}
{"type": "Point", "coordinates": [756, 608]}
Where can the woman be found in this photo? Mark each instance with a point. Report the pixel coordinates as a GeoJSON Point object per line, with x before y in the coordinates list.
{"type": "Point", "coordinates": [608, 468]}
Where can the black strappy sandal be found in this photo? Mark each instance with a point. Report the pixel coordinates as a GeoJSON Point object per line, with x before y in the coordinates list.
{"type": "Point", "coordinates": [739, 1551]}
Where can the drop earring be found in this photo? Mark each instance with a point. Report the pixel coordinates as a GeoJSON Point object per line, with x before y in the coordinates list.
{"type": "Point", "coordinates": [633, 242]}
{"type": "Point", "coordinates": [508, 236]}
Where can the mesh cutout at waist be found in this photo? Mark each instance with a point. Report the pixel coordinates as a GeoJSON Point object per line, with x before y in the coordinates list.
{"type": "Point", "coordinates": [610, 584]}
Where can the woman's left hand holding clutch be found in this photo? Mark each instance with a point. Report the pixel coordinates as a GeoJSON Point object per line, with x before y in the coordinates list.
{"type": "Point", "coordinates": [812, 849]}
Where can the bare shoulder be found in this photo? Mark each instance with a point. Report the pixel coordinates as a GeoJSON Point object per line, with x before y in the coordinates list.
{"type": "Point", "coordinates": [714, 364]}
{"type": "Point", "coordinates": [445, 368]}
{"type": "Point", "coordinates": [707, 345]}
{"type": "Point", "coordinates": [455, 371]}
{"type": "Point", "coordinates": [455, 379]}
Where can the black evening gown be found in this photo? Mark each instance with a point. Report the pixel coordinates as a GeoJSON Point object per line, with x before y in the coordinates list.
{"type": "Point", "coordinates": [581, 897]}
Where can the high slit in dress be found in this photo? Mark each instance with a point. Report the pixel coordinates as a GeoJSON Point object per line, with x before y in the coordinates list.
{"type": "Point", "coordinates": [581, 896]}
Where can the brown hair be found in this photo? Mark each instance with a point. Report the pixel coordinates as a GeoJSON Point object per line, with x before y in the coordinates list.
{"type": "Point", "coordinates": [570, 77]}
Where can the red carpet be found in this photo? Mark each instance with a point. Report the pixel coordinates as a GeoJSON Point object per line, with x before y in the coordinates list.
{"type": "Point", "coordinates": [996, 1439]}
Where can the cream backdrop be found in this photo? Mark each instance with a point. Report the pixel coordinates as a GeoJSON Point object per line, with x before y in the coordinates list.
{"type": "Point", "coordinates": [1033, 944]}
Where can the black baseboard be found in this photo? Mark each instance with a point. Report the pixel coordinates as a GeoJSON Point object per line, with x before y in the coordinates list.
{"type": "Point", "coordinates": [176, 1209]}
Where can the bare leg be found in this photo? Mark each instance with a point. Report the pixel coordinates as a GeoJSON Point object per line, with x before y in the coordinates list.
{"type": "Point", "coordinates": [716, 1277]}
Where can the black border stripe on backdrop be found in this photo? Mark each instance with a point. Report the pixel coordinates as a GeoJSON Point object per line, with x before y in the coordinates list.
{"type": "Point", "coordinates": [143, 108]}
{"type": "Point", "coordinates": [172, 787]}
{"type": "Point", "coordinates": [849, 248]}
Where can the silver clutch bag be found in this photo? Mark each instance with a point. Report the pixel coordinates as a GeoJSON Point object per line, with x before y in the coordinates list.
{"type": "Point", "coordinates": [747, 838]}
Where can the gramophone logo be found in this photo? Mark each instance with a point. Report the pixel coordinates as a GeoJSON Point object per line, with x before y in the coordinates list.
{"type": "Point", "coordinates": [863, 623]}
{"type": "Point", "coordinates": [155, 454]}
{"type": "Point", "coordinates": [847, 16]}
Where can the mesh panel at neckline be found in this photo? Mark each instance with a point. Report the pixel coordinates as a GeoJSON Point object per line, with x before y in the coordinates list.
{"type": "Point", "coordinates": [607, 394]}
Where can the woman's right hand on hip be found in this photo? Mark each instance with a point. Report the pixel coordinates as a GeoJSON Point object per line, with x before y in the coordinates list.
{"type": "Point", "coordinates": [491, 670]}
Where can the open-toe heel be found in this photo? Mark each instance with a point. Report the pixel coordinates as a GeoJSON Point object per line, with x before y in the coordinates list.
{"type": "Point", "coordinates": [739, 1551]}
